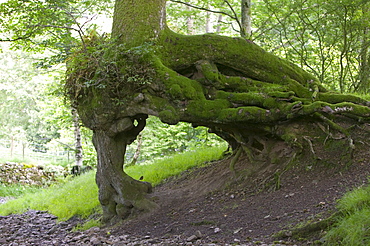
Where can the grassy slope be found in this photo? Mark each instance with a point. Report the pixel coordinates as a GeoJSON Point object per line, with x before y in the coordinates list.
{"type": "Point", "coordinates": [79, 196]}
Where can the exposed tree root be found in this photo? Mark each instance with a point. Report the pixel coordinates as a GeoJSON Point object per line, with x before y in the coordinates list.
{"type": "Point", "coordinates": [307, 230]}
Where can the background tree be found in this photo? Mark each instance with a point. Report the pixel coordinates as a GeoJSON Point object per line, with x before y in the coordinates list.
{"type": "Point", "coordinates": [325, 38]}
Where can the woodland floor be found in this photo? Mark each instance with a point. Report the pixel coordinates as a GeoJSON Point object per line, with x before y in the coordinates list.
{"type": "Point", "coordinates": [207, 206]}
{"type": "Point", "coordinates": [204, 202]}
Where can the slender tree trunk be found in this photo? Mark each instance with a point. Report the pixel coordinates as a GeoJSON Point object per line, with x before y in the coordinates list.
{"type": "Point", "coordinates": [208, 22]}
{"type": "Point", "coordinates": [137, 152]}
{"type": "Point", "coordinates": [190, 22]}
{"type": "Point", "coordinates": [246, 20]}
{"type": "Point", "coordinates": [364, 67]}
{"type": "Point", "coordinates": [11, 146]}
{"type": "Point", "coordinates": [219, 22]}
{"type": "Point", "coordinates": [77, 135]}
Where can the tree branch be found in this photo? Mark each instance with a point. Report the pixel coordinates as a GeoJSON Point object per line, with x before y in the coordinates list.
{"type": "Point", "coordinates": [15, 39]}
{"type": "Point", "coordinates": [205, 9]}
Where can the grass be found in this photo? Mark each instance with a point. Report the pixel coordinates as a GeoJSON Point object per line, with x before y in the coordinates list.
{"type": "Point", "coordinates": [16, 190]}
{"type": "Point", "coordinates": [79, 196]}
{"type": "Point", "coordinates": [76, 197]}
{"type": "Point", "coordinates": [353, 227]}
{"type": "Point", "coordinates": [174, 165]}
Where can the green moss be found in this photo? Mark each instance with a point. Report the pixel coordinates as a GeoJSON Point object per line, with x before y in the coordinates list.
{"type": "Point", "coordinates": [206, 109]}
{"type": "Point", "coordinates": [249, 99]}
{"type": "Point", "coordinates": [177, 86]}
{"type": "Point", "coordinates": [332, 97]}
{"type": "Point", "coordinates": [176, 92]}
{"type": "Point", "coordinates": [238, 53]}
{"type": "Point", "coordinates": [244, 114]}
{"type": "Point", "coordinates": [169, 117]}
{"type": "Point", "coordinates": [281, 94]}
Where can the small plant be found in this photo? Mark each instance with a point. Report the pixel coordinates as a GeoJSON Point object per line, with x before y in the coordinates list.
{"type": "Point", "coordinates": [87, 225]}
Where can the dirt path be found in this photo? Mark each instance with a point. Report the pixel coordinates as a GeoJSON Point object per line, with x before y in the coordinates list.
{"type": "Point", "coordinates": [240, 213]}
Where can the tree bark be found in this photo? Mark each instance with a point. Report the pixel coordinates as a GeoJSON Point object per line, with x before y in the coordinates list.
{"type": "Point", "coordinates": [77, 135]}
{"type": "Point", "coordinates": [119, 194]}
{"type": "Point", "coordinates": [139, 20]}
{"type": "Point", "coordinates": [246, 20]}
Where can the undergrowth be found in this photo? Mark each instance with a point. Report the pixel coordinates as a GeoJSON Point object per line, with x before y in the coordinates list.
{"type": "Point", "coordinates": [16, 190]}
{"type": "Point", "coordinates": [173, 165]}
{"type": "Point", "coordinates": [79, 195]}
{"type": "Point", "coordinates": [353, 226]}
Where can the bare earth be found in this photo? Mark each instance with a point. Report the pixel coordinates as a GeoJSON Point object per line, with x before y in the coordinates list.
{"type": "Point", "coordinates": [208, 203]}
{"type": "Point", "coordinates": [209, 206]}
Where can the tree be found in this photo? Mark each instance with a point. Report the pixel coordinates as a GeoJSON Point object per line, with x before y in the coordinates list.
{"type": "Point", "coordinates": [324, 37]}
{"type": "Point", "coordinates": [268, 109]}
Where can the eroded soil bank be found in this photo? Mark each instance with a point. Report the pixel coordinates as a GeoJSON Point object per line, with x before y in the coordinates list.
{"type": "Point", "coordinates": [201, 208]}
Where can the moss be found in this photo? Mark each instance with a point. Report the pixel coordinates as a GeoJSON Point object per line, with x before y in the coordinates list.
{"type": "Point", "coordinates": [176, 92]}
{"type": "Point", "coordinates": [169, 117]}
{"type": "Point", "coordinates": [281, 94]}
{"type": "Point", "coordinates": [249, 99]}
{"type": "Point", "coordinates": [206, 109]}
{"type": "Point", "coordinates": [238, 53]}
{"type": "Point", "coordinates": [177, 86]}
{"type": "Point", "coordinates": [244, 114]}
{"type": "Point", "coordinates": [332, 97]}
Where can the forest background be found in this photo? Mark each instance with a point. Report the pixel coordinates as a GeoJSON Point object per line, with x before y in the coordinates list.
{"type": "Point", "coordinates": [330, 39]}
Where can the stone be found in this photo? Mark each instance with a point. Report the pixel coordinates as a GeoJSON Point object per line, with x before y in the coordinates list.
{"type": "Point", "coordinates": [192, 238]}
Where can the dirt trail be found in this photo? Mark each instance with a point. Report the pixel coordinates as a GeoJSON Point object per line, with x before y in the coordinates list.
{"type": "Point", "coordinates": [241, 212]}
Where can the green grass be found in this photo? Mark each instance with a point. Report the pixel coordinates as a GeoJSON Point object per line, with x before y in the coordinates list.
{"type": "Point", "coordinates": [173, 165]}
{"type": "Point", "coordinates": [76, 197]}
{"type": "Point", "coordinates": [79, 196]}
{"type": "Point", "coordinates": [16, 190]}
{"type": "Point", "coordinates": [353, 227]}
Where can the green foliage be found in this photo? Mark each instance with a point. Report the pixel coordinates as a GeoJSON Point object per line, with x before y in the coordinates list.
{"type": "Point", "coordinates": [323, 37]}
{"type": "Point", "coordinates": [39, 25]}
{"type": "Point", "coordinates": [101, 64]}
{"type": "Point", "coordinates": [353, 227]}
{"type": "Point", "coordinates": [160, 139]}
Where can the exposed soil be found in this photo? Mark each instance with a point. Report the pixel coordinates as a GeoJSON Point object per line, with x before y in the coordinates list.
{"type": "Point", "coordinates": [209, 206]}
{"type": "Point", "coordinates": [210, 202]}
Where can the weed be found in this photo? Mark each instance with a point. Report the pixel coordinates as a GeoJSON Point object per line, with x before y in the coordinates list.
{"type": "Point", "coordinates": [87, 225]}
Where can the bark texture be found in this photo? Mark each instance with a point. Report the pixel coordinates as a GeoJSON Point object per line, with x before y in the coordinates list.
{"type": "Point", "coordinates": [119, 194]}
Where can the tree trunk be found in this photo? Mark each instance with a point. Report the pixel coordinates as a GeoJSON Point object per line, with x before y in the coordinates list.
{"type": "Point", "coordinates": [77, 135]}
{"type": "Point", "coordinates": [137, 21]}
{"type": "Point", "coordinates": [137, 151]}
{"type": "Point", "coordinates": [246, 20]}
{"type": "Point", "coordinates": [119, 194]}
{"type": "Point", "coordinates": [274, 112]}
{"type": "Point", "coordinates": [364, 57]}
